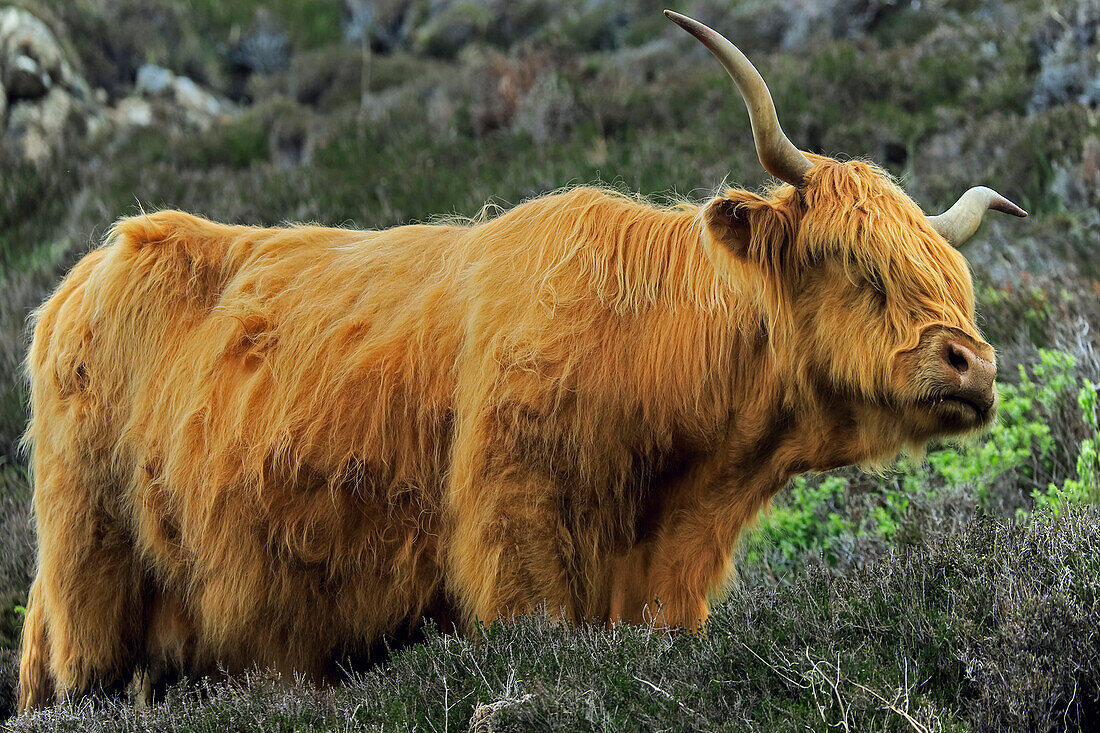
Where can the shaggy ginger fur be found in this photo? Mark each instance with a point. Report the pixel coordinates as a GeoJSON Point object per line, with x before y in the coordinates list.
{"type": "Point", "coordinates": [275, 445]}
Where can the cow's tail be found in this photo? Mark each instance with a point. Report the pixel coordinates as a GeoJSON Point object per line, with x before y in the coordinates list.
{"type": "Point", "coordinates": [36, 687]}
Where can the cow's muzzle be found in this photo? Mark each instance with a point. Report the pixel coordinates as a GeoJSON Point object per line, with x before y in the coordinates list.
{"type": "Point", "coordinates": [965, 397]}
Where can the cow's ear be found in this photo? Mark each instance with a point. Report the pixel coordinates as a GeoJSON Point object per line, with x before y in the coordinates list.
{"type": "Point", "coordinates": [728, 223]}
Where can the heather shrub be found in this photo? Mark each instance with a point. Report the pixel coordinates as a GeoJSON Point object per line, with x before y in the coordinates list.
{"type": "Point", "coordinates": [988, 630]}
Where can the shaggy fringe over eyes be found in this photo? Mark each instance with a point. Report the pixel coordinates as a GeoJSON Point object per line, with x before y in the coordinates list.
{"type": "Point", "coordinates": [857, 212]}
{"type": "Point", "coordinates": [852, 214]}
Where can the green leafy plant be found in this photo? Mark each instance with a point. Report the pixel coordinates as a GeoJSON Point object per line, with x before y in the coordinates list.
{"type": "Point", "coordinates": [806, 520]}
{"type": "Point", "coordinates": [1085, 488]}
{"type": "Point", "coordinates": [823, 516]}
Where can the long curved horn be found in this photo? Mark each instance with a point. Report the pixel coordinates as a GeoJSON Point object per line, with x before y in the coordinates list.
{"type": "Point", "coordinates": [778, 154]}
{"type": "Point", "coordinates": [959, 223]}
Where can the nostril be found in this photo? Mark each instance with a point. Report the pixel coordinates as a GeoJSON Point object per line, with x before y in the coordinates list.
{"type": "Point", "coordinates": [956, 357]}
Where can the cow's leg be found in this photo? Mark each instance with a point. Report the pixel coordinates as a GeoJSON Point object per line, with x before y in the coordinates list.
{"type": "Point", "coordinates": [505, 558]}
{"type": "Point", "coordinates": [666, 583]}
{"type": "Point", "coordinates": [682, 586]}
{"type": "Point", "coordinates": [630, 600]}
{"type": "Point", "coordinates": [89, 580]}
{"type": "Point", "coordinates": [504, 555]}
{"type": "Point", "coordinates": [169, 645]}
{"type": "Point", "coordinates": [36, 687]}
{"type": "Point", "coordinates": [693, 558]}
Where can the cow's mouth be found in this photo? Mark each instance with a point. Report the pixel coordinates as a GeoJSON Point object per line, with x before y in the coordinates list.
{"type": "Point", "coordinates": [962, 413]}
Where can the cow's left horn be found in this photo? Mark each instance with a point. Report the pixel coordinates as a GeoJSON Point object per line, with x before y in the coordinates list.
{"type": "Point", "coordinates": [959, 223]}
{"type": "Point", "coordinates": [778, 154]}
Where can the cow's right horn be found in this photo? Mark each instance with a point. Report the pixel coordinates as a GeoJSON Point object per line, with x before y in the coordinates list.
{"type": "Point", "coordinates": [777, 153]}
{"type": "Point", "coordinates": [959, 223]}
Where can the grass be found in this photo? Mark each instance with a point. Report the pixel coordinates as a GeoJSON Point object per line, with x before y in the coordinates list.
{"type": "Point", "coordinates": [991, 630]}
{"type": "Point", "coordinates": [31, 201]}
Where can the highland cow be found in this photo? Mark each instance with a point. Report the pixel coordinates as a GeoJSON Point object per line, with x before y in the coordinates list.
{"type": "Point", "coordinates": [275, 446]}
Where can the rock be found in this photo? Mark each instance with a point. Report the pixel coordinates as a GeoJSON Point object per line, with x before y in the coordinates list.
{"type": "Point", "coordinates": [153, 79]}
{"type": "Point", "coordinates": [45, 104]}
{"type": "Point", "coordinates": [28, 49]}
{"type": "Point", "coordinates": [385, 24]}
{"type": "Point", "coordinates": [445, 34]}
{"type": "Point", "coordinates": [45, 101]}
{"type": "Point", "coordinates": [36, 129]}
{"type": "Point", "coordinates": [76, 85]}
{"type": "Point", "coordinates": [25, 80]}
{"type": "Point", "coordinates": [358, 20]}
{"type": "Point", "coordinates": [132, 112]}
{"type": "Point", "coordinates": [194, 98]}
{"type": "Point", "coordinates": [198, 104]}
{"type": "Point", "coordinates": [1069, 60]}
{"type": "Point", "coordinates": [1077, 181]}
{"type": "Point", "coordinates": [262, 49]}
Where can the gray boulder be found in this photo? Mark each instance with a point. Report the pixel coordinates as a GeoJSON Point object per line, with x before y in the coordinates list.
{"type": "Point", "coordinates": [36, 129]}
{"type": "Point", "coordinates": [263, 48]}
{"type": "Point", "coordinates": [386, 24]}
{"type": "Point", "coordinates": [191, 103]}
{"type": "Point", "coordinates": [25, 79]}
{"type": "Point", "coordinates": [30, 56]}
{"type": "Point", "coordinates": [153, 79]}
{"type": "Point", "coordinates": [132, 112]}
{"type": "Point", "coordinates": [43, 103]}
{"type": "Point", "coordinates": [194, 98]}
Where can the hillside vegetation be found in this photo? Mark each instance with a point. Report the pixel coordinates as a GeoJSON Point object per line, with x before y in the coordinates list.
{"type": "Point", "coordinates": [956, 592]}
